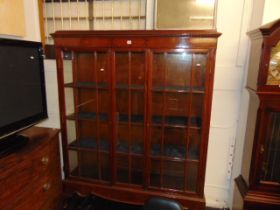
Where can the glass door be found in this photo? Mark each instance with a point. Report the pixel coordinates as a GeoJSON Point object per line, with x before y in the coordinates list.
{"type": "Point", "coordinates": [130, 76]}
{"type": "Point", "coordinates": [177, 101]}
{"type": "Point", "coordinates": [270, 170]}
{"type": "Point", "coordinates": [87, 114]}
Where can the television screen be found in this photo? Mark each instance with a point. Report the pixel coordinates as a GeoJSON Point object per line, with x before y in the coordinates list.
{"type": "Point", "coordinates": [22, 85]}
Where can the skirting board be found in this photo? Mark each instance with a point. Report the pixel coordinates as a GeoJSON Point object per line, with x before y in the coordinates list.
{"type": "Point", "coordinates": [216, 196]}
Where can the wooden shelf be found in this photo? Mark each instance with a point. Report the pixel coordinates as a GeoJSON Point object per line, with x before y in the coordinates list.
{"type": "Point", "coordinates": [90, 85]}
{"type": "Point", "coordinates": [160, 89]}
{"type": "Point", "coordinates": [178, 89]}
{"type": "Point", "coordinates": [166, 121]}
{"type": "Point", "coordinates": [169, 151]}
{"type": "Point", "coordinates": [92, 116]}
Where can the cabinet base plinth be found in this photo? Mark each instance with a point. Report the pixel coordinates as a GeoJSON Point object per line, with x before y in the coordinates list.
{"type": "Point", "coordinates": [256, 200]}
{"type": "Point", "coordinates": [136, 196]}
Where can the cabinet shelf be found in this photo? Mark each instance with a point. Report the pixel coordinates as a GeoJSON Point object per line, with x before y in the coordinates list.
{"type": "Point", "coordinates": [170, 152]}
{"type": "Point", "coordinates": [178, 89]}
{"type": "Point", "coordinates": [167, 89]}
{"type": "Point", "coordinates": [167, 121]}
{"type": "Point", "coordinates": [90, 85]}
{"type": "Point", "coordinates": [91, 174]}
{"type": "Point", "coordinates": [92, 116]}
{"type": "Point", "coordinates": [176, 121]}
{"type": "Point", "coordinates": [135, 148]}
{"type": "Point", "coordinates": [123, 118]}
{"type": "Point", "coordinates": [130, 87]}
{"type": "Point", "coordinates": [90, 144]}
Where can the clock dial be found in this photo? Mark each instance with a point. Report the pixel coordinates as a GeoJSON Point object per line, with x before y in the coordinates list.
{"type": "Point", "coordinates": [273, 77]}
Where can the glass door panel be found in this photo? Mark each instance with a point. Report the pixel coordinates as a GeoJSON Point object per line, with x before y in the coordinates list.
{"type": "Point", "coordinates": [271, 159]}
{"type": "Point", "coordinates": [173, 175]}
{"type": "Point", "coordinates": [130, 112]}
{"type": "Point", "coordinates": [155, 173]}
{"type": "Point", "coordinates": [87, 93]}
{"type": "Point", "coordinates": [191, 176]}
{"type": "Point", "coordinates": [137, 172]}
{"type": "Point", "coordinates": [177, 98]}
{"type": "Point", "coordinates": [196, 109]}
{"type": "Point", "coordinates": [171, 70]}
{"type": "Point", "coordinates": [89, 165]}
{"type": "Point", "coordinates": [123, 168]}
{"type": "Point", "coordinates": [194, 144]}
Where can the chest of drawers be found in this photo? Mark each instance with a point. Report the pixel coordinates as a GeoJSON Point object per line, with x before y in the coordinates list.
{"type": "Point", "coordinates": [30, 179]}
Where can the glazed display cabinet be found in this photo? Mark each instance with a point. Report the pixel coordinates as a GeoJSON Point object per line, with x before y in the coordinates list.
{"type": "Point", "coordinates": [259, 182]}
{"type": "Point", "coordinates": [135, 112]}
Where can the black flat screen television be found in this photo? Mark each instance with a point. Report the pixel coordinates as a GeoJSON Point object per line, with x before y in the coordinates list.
{"type": "Point", "coordinates": [22, 88]}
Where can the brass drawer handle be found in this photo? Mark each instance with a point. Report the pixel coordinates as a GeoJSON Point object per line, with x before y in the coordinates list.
{"type": "Point", "coordinates": [46, 186]}
{"type": "Point", "coordinates": [45, 160]}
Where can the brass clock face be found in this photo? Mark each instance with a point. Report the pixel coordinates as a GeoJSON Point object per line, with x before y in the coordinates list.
{"type": "Point", "coordinates": [273, 77]}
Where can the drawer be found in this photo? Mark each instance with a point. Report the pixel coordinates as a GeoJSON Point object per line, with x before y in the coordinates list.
{"type": "Point", "coordinates": [82, 42]}
{"type": "Point", "coordinates": [168, 42]}
{"type": "Point", "coordinates": [47, 190]}
{"type": "Point", "coordinates": [95, 42]}
{"type": "Point", "coordinates": [17, 181]}
{"type": "Point", "coordinates": [46, 159]}
{"type": "Point", "coordinates": [129, 42]}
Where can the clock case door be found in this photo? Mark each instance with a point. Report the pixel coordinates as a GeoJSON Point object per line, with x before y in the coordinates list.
{"type": "Point", "coordinates": [265, 170]}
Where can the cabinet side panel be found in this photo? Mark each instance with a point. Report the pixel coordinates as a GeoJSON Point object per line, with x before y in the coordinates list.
{"type": "Point", "coordinates": [249, 137]}
{"type": "Point", "coordinates": [253, 71]}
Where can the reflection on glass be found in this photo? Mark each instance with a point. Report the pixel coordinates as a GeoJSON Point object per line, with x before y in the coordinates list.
{"type": "Point", "coordinates": [273, 77]}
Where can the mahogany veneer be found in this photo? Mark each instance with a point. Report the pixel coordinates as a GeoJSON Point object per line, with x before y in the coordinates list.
{"type": "Point", "coordinates": [30, 179]}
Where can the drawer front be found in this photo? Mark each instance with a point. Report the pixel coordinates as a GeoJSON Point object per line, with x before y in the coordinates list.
{"type": "Point", "coordinates": [16, 186]}
{"type": "Point", "coordinates": [95, 42]}
{"type": "Point", "coordinates": [47, 190]}
{"type": "Point", "coordinates": [46, 159]}
{"type": "Point", "coordinates": [82, 42]}
{"type": "Point", "coordinates": [168, 42]}
{"type": "Point", "coordinates": [129, 42]}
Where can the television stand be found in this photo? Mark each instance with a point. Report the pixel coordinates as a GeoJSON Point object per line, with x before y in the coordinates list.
{"type": "Point", "coordinates": [12, 143]}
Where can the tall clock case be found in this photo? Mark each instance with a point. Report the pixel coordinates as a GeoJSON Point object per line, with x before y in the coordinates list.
{"type": "Point", "coordinates": [259, 182]}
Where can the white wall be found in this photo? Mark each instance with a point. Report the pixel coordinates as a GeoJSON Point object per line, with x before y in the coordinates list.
{"type": "Point", "coordinates": [32, 29]}
{"type": "Point", "coordinates": [271, 11]}
{"type": "Point", "coordinates": [232, 20]}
